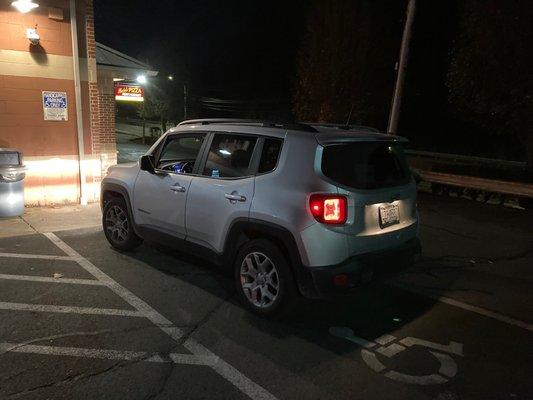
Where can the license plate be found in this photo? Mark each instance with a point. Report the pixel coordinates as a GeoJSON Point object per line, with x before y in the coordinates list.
{"type": "Point", "coordinates": [389, 214]}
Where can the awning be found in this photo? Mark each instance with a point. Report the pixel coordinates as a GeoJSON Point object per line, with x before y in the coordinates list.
{"type": "Point", "coordinates": [114, 64]}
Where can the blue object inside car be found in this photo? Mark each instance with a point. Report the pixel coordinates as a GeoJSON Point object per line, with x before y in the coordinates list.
{"type": "Point", "coordinates": [178, 167]}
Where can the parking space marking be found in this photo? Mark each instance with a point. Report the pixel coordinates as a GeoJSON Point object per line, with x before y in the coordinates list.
{"type": "Point", "coordinates": [37, 256]}
{"type": "Point", "coordinates": [369, 351]}
{"type": "Point", "coordinates": [155, 317]}
{"type": "Point", "coordinates": [122, 355]}
{"type": "Point", "coordinates": [453, 348]}
{"type": "Point", "coordinates": [31, 278]}
{"type": "Point", "coordinates": [468, 307]}
{"type": "Point", "coordinates": [70, 309]}
{"type": "Point", "coordinates": [224, 369]}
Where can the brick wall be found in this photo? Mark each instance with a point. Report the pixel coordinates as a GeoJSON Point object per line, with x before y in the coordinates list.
{"type": "Point", "coordinates": [89, 29]}
{"type": "Point", "coordinates": [107, 140]}
{"type": "Point", "coordinates": [106, 103]}
{"type": "Point", "coordinates": [101, 102]}
{"type": "Point", "coordinates": [93, 85]}
{"type": "Point", "coordinates": [94, 116]}
{"type": "Point", "coordinates": [55, 33]}
{"type": "Point", "coordinates": [107, 119]}
{"type": "Point", "coordinates": [50, 147]}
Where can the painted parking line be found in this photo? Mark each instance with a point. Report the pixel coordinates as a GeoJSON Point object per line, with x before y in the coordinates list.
{"type": "Point", "coordinates": [468, 307]}
{"type": "Point", "coordinates": [122, 355]}
{"type": "Point", "coordinates": [149, 312]}
{"type": "Point", "coordinates": [70, 309]}
{"type": "Point", "coordinates": [37, 256]}
{"type": "Point", "coordinates": [224, 369]}
{"type": "Point", "coordinates": [31, 278]}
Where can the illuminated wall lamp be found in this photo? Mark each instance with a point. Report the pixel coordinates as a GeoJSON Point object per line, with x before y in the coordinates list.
{"type": "Point", "coordinates": [24, 6]}
{"type": "Point", "coordinates": [33, 36]}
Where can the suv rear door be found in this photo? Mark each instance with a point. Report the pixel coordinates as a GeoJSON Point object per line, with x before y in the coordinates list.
{"type": "Point", "coordinates": [224, 189]}
{"type": "Point", "coordinates": [376, 179]}
{"type": "Point", "coordinates": [159, 198]}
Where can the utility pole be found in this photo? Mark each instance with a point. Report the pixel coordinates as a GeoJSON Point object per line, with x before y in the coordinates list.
{"type": "Point", "coordinates": [402, 67]}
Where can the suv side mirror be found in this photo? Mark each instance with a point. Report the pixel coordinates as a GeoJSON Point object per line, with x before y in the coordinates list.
{"type": "Point", "coordinates": [147, 163]}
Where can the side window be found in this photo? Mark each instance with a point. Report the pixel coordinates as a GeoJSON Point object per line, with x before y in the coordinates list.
{"type": "Point", "coordinates": [180, 152]}
{"type": "Point", "coordinates": [269, 155]}
{"type": "Point", "coordinates": [230, 156]}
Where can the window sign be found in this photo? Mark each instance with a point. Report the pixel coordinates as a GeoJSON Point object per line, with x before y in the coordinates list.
{"type": "Point", "coordinates": [55, 106]}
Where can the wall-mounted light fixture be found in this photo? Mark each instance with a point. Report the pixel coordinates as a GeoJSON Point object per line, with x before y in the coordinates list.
{"type": "Point", "coordinates": [141, 79]}
{"type": "Point", "coordinates": [33, 36]}
{"type": "Point", "coordinates": [24, 6]}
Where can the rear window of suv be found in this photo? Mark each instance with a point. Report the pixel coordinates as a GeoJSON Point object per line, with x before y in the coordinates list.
{"type": "Point", "coordinates": [366, 165]}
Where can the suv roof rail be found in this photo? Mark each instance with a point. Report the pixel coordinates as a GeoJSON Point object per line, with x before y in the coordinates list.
{"type": "Point", "coordinates": [343, 126]}
{"type": "Point", "coordinates": [266, 124]}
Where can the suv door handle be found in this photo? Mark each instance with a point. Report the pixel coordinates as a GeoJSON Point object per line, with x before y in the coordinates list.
{"type": "Point", "coordinates": [177, 188]}
{"type": "Point", "coordinates": [235, 197]}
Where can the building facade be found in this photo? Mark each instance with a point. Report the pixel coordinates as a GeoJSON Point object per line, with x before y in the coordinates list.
{"type": "Point", "coordinates": [58, 108]}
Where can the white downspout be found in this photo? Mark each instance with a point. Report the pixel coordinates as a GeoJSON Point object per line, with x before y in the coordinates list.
{"type": "Point", "coordinates": [77, 95]}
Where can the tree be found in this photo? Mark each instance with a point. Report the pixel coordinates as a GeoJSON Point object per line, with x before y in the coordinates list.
{"type": "Point", "coordinates": [154, 109]}
{"type": "Point", "coordinates": [347, 61]}
{"type": "Point", "coordinates": [490, 77]}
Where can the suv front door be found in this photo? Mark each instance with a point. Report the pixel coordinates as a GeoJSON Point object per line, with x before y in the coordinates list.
{"type": "Point", "coordinates": [224, 191]}
{"type": "Point", "coordinates": [159, 198]}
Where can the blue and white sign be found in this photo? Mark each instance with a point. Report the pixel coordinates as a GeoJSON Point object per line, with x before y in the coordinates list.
{"type": "Point", "coordinates": [55, 106]}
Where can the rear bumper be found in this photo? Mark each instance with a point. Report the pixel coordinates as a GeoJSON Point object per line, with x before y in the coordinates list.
{"type": "Point", "coordinates": [343, 278]}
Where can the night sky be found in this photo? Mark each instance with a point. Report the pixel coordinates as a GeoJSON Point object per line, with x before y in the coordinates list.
{"type": "Point", "coordinates": [227, 49]}
{"type": "Point", "coordinates": [245, 52]}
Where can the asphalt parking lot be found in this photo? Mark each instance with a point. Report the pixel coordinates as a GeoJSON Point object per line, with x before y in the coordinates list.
{"type": "Point", "coordinates": [82, 321]}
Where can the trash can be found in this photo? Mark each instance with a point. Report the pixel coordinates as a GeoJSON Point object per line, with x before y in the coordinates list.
{"type": "Point", "coordinates": [12, 174]}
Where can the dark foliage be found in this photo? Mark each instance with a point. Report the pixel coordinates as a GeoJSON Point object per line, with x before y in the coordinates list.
{"type": "Point", "coordinates": [490, 78]}
{"type": "Point", "coordinates": [347, 60]}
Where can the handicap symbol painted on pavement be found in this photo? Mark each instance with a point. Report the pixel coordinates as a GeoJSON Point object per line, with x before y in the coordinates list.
{"type": "Point", "coordinates": [389, 346]}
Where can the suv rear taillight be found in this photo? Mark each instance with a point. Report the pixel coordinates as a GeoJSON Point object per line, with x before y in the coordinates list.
{"type": "Point", "coordinates": [328, 208]}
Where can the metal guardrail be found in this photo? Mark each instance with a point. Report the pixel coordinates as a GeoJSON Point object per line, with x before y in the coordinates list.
{"type": "Point", "coordinates": [468, 160]}
{"type": "Point", "coordinates": [425, 161]}
{"type": "Point", "coordinates": [519, 189]}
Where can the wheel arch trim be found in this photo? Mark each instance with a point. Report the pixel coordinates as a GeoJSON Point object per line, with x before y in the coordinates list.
{"type": "Point", "coordinates": [239, 234]}
{"type": "Point", "coordinates": [122, 191]}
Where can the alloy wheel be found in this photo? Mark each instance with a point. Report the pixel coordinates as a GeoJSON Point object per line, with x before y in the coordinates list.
{"type": "Point", "coordinates": [259, 280]}
{"type": "Point", "coordinates": [117, 224]}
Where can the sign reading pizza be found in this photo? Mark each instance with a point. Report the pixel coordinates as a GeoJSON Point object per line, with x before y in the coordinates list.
{"type": "Point", "coordinates": [126, 92]}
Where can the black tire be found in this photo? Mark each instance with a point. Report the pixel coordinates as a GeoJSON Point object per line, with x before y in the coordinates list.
{"type": "Point", "coordinates": [286, 293]}
{"type": "Point", "coordinates": [124, 239]}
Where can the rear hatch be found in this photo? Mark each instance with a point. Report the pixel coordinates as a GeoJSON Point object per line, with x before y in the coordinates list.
{"type": "Point", "coordinates": [372, 172]}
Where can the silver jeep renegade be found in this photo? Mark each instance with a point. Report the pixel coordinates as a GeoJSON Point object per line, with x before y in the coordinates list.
{"type": "Point", "coordinates": [292, 209]}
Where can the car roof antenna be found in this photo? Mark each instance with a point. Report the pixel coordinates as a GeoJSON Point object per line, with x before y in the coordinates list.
{"type": "Point", "coordinates": [349, 118]}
